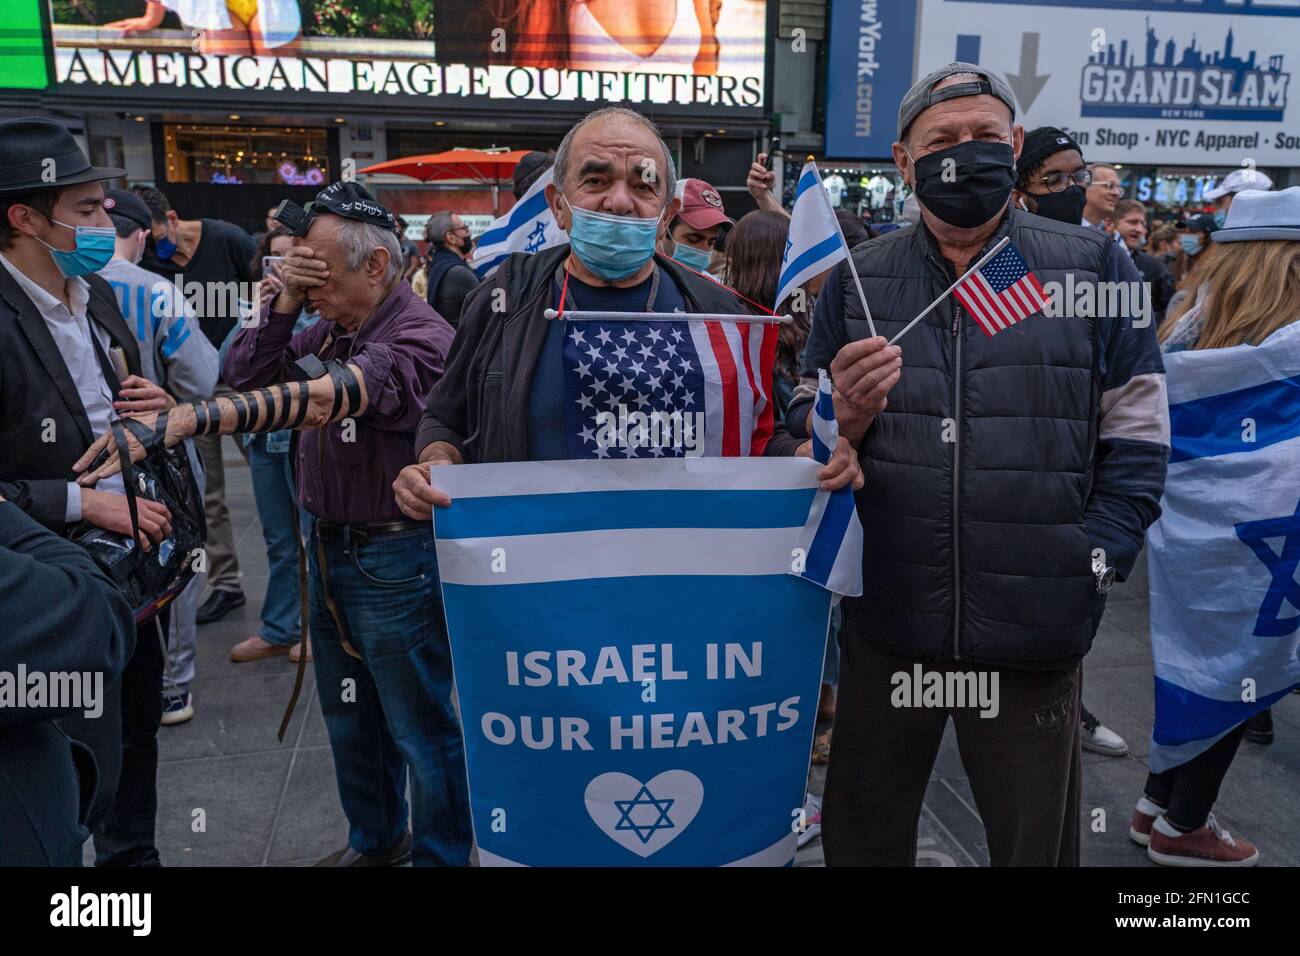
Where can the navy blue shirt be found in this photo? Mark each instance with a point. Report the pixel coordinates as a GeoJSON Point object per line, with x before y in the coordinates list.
{"type": "Point", "coordinates": [546, 397]}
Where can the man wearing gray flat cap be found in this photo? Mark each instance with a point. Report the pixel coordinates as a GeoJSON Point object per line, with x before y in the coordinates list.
{"type": "Point", "coordinates": [1009, 481]}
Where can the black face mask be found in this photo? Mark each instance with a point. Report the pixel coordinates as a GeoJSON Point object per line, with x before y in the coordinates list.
{"type": "Point", "coordinates": [982, 176]}
{"type": "Point", "coordinates": [1065, 206]}
{"type": "Point", "coordinates": [466, 244]}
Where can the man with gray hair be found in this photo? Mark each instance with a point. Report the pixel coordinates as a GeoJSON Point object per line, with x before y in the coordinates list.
{"type": "Point", "coordinates": [504, 395]}
{"type": "Point", "coordinates": [450, 279]}
{"type": "Point", "coordinates": [383, 666]}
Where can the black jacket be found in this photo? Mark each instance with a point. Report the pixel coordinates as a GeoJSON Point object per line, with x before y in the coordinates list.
{"type": "Point", "coordinates": [38, 399]}
{"type": "Point", "coordinates": [62, 614]}
{"type": "Point", "coordinates": [450, 282]}
{"type": "Point", "coordinates": [1000, 462]}
{"type": "Point", "coordinates": [480, 405]}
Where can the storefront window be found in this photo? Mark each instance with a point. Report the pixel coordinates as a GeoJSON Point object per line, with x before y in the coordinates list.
{"type": "Point", "coordinates": [237, 155]}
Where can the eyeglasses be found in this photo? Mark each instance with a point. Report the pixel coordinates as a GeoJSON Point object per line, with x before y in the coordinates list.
{"type": "Point", "coordinates": [1056, 182]}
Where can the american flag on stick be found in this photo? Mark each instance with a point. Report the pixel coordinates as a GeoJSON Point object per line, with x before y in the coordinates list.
{"type": "Point", "coordinates": [1001, 292]}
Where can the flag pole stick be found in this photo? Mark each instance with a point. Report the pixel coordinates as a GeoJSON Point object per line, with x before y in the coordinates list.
{"type": "Point", "coordinates": [578, 315]}
{"type": "Point", "coordinates": [930, 308]}
{"type": "Point", "coordinates": [849, 256]}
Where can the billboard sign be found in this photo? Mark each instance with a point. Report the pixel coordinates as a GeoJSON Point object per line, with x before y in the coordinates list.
{"type": "Point", "coordinates": [1134, 81]}
{"type": "Point", "coordinates": [694, 53]}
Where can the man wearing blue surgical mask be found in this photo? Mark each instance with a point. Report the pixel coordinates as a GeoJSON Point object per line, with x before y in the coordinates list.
{"type": "Point", "coordinates": [502, 397]}
{"type": "Point", "coordinates": [68, 366]}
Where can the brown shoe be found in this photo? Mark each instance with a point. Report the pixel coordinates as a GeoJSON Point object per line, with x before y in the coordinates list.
{"type": "Point", "coordinates": [295, 652]}
{"type": "Point", "coordinates": [396, 855]}
{"type": "Point", "coordinates": [1211, 845]}
{"type": "Point", "coordinates": [255, 649]}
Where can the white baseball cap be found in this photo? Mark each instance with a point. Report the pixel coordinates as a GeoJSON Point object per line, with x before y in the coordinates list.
{"type": "Point", "coordinates": [1238, 180]}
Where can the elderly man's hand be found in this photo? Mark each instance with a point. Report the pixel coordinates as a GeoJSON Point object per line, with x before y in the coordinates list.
{"type": "Point", "coordinates": [843, 468]}
{"type": "Point", "coordinates": [302, 270]}
{"type": "Point", "coordinates": [863, 373]}
{"type": "Point", "coordinates": [416, 495]}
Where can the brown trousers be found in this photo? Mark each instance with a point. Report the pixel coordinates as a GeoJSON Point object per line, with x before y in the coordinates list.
{"type": "Point", "coordinates": [1023, 764]}
{"type": "Point", "coordinates": [223, 560]}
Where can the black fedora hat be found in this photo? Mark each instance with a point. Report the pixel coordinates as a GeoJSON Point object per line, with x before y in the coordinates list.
{"type": "Point", "coordinates": [33, 147]}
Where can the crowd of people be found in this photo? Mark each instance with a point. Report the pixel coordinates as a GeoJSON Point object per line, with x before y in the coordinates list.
{"type": "Point", "coordinates": [360, 365]}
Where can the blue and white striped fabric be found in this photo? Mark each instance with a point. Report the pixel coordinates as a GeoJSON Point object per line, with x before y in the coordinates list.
{"type": "Point", "coordinates": [1225, 599]}
{"type": "Point", "coordinates": [637, 671]}
{"type": "Point", "coordinates": [527, 227]}
{"type": "Point", "coordinates": [832, 537]}
{"type": "Point", "coordinates": [814, 243]}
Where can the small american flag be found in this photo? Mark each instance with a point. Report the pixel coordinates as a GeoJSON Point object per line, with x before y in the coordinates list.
{"type": "Point", "coordinates": [1002, 292]}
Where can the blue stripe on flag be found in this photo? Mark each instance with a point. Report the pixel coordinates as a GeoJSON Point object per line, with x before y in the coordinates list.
{"type": "Point", "coordinates": [809, 256]}
{"type": "Point", "coordinates": [840, 510]}
{"type": "Point", "coordinates": [1183, 715]}
{"type": "Point", "coordinates": [825, 410]}
{"type": "Point", "coordinates": [807, 181]}
{"type": "Point", "coordinates": [483, 268]}
{"type": "Point", "coordinates": [1212, 426]}
{"type": "Point", "coordinates": [608, 510]}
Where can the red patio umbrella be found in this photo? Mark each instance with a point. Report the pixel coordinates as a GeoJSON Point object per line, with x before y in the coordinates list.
{"type": "Point", "coordinates": [488, 167]}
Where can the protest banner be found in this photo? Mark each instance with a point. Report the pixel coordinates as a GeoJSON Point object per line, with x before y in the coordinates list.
{"type": "Point", "coordinates": [637, 662]}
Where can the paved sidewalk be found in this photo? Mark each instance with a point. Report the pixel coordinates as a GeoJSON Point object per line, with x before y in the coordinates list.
{"type": "Point", "coordinates": [272, 803]}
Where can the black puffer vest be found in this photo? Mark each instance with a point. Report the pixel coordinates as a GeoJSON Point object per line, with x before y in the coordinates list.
{"type": "Point", "coordinates": [978, 471]}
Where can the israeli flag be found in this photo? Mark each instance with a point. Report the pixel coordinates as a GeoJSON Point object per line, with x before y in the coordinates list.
{"type": "Point", "coordinates": [637, 671]}
{"type": "Point", "coordinates": [527, 227]}
{"type": "Point", "coordinates": [831, 543]}
{"type": "Point", "coordinates": [814, 243]}
{"type": "Point", "coordinates": [1225, 599]}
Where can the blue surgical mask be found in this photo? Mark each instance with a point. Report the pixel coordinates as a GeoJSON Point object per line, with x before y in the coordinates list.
{"type": "Point", "coordinates": [164, 248]}
{"type": "Point", "coordinates": [1191, 244]}
{"type": "Point", "coordinates": [1220, 217]}
{"type": "Point", "coordinates": [691, 257]}
{"type": "Point", "coordinates": [612, 247]}
{"type": "Point", "coordinates": [95, 246]}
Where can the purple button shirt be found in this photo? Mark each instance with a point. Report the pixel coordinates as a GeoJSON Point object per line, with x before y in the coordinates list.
{"type": "Point", "coordinates": [400, 351]}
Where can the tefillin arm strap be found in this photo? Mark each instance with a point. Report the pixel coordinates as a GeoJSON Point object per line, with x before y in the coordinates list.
{"type": "Point", "coordinates": [277, 400]}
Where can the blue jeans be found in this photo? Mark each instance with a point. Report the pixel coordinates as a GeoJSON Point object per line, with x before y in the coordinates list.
{"type": "Point", "coordinates": [274, 494]}
{"type": "Point", "coordinates": [396, 712]}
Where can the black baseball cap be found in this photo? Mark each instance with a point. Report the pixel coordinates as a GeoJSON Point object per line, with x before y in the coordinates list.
{"type": "Point", "coordinates": [1043, 142]}
{"type": "Point", "coordinates": [128, 205]}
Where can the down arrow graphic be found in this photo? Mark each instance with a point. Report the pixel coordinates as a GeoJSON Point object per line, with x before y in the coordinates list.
{"type": "Point", "coordinates": [1027, 84]}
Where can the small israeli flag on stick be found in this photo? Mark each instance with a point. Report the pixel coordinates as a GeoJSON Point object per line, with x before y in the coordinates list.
{"type": "Point", "coordinates": [831, 543]}
{"type": "Point", "coordinates": [815, 242]}
{"type": "Point", "coordinates": [527, 227]}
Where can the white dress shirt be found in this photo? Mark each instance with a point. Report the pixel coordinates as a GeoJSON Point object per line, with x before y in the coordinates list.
{"type": "Point", "coordinates": [71, 332]}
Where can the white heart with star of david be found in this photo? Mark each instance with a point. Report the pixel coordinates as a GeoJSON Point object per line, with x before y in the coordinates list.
{"type": "Point", "coordinates": [651, 821]}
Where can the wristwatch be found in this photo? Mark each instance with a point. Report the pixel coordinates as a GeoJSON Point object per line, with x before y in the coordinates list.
{"type": "Point", "coordinates": [1105, 575]}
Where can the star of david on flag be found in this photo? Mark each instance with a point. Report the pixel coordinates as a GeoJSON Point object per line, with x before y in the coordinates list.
{"type": "Point", "coordinates": [1223, 558]}
{"type": "Point", "coordinates": [527, 227]}
{"type": "Point", "coordinates": [655, 389]}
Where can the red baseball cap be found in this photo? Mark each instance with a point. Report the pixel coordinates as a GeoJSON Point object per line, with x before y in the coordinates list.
{"type": "Point", "coordinates": [701, 205]}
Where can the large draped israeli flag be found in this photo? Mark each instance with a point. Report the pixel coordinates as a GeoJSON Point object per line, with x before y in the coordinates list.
{"type": "Point", "coordinates": [1225, 599]}
{"type": "Point", "coordinates": [814, 242]}
{"type": "Point", "coordinates": [527, 227]}
{"type": "Point", "coordinates": [637, 669]}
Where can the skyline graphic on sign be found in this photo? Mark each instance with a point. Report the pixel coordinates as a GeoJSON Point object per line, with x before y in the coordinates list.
{"type": "Point", "coordinates": [1190, 82]}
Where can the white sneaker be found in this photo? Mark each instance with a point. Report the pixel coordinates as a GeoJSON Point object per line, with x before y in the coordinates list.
{"type": "Point", "coordinates": [812, 819]}
{"type": "Point", "coordinates": [177, 708]}
{"type": "Point", "coordinates": [1099, 739]}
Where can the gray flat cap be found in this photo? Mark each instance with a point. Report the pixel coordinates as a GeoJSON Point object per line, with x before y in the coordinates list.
{"type": "Point", "coordinates": [922, 96]}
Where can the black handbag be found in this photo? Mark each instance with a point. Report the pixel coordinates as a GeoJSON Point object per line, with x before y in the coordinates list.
{"type": "Point", "coordinates": [150, 580]}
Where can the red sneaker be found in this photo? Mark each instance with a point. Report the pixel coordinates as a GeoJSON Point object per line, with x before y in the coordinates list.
{"type": "Point", "coordinates": [1211, 845]}
{"type": "Point", "coordinates": [1144, 817]}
